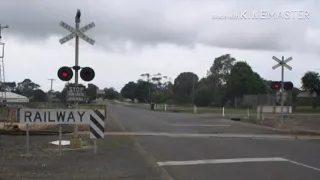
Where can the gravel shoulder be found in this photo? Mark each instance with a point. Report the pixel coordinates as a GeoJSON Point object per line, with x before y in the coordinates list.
{"type": "Point", "coordinates": [116, 158]}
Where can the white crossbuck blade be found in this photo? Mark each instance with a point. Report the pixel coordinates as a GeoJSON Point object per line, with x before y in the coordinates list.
{"type": "Point", "coordinates": [75, 32]}
{"type": "Point", "coordinates": [276, 59]}
{"type": "Point", "coordinates": [285, 65]}
{"type": "Point", "coordinates": [282, 63]}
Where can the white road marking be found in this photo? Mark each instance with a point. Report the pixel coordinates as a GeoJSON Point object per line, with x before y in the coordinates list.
{"type": "Point", "coordinates": [304, 165]}
{"type": "Point", "coordinates": [236, 160]}
{"type": "Point", "coordinates": [221, 161]}
{"type": "Point", "coordinates": [201, 125]}
{"type": "Point", "coordinates": [197, 135]}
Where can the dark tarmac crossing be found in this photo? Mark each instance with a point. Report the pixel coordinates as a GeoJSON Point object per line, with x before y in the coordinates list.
{"type": "Point", "coordinates": [253, 155]}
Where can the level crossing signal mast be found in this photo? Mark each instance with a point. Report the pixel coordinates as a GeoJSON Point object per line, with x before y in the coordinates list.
{"type": "Point", "coordinates": [276, 85]}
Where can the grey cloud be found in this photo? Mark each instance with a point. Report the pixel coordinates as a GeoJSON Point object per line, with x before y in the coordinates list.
{"type": "Point", "coordinates": [146, 22]}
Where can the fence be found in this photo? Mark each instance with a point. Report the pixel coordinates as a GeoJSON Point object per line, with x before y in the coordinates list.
{"type": "Point", "coordinates": [264, 100]}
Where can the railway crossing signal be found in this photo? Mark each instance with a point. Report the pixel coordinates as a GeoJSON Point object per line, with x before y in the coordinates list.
{"type": "Point", "coordinates": [283, 64]}
{"type": "Point", "coordinates": [87, 74]}
{"type": "Point", "coordinates": [276, 85]}
{"type": "Point", "coordinates": [65, 73]}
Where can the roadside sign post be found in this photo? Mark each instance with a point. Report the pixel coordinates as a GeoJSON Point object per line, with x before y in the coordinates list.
{"type": "Point", "coordinates": [94, 118]}
{"type": "Point", "coordinates": [27, 139]}
{"type": "Point", "coordinates": [60, 139]}
{"type": "Point", "coordinates": [76, 33]}
{"type": "Point", "coordinates": [283, 63]}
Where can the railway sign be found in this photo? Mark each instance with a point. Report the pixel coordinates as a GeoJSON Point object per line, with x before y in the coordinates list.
{"type": "Point", "coordinates": [54, 116]}
{"type": "Point", "coordinates": [77, 32]}
{"type": "Point", "coordinates": [76, 93]}
{"type": "Point", "coordinates": [94, 118]}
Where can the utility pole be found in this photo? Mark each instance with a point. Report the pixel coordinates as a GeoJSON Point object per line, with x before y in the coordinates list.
{"type": "Point", "coordinates": [2, 74]}
{"type": "Point", "coordinates": [50, 99]}
{"type": "Point", "coordinates": [193, 89]}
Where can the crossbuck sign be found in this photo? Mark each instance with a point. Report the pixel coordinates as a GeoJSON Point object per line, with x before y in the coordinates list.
{"type": "Point", "coordinates": [283, 62]}
{"type": "Point", "coordinates": [75, 32]}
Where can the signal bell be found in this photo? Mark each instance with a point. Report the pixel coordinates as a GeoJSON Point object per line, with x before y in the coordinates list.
{"type": "Point", "coordinates": [87, 74]}
{"type": "Point", "coordinates": [65, 73]}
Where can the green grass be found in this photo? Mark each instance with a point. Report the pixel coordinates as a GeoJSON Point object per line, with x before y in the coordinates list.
{"type": "Point", "coordinates": [114, 142]}
{"type": "Point", "coordinates": [306, 109]}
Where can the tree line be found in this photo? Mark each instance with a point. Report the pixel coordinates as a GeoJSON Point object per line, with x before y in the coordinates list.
{"type": "Point", "coordinates": [227, 81]}
{"type": "Point", "coordinates": [34, 92]}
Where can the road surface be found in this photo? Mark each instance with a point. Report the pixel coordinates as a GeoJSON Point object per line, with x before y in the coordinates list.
{"type": "Point", "coordinates": [204, 147]}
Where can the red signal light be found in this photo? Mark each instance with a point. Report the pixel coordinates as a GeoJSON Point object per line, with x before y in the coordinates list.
{"type": "Point", "coordinates": [65, 73]}
{"type": "Point", "coordinates": [275, 85]}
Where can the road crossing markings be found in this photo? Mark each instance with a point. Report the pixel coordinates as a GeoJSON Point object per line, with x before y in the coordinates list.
{"type": "Point", "coordinates": [201, 125]}
{"type": "Point", "coordinates": [221, 161]}
{"type": "Point", "coordinates": [303, 165]}
{"type": "Point", "coordinates": [236, 160]}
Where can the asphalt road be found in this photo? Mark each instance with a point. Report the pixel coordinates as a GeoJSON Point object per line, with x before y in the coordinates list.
{"type": "Point", "coordinates": [242, 156]}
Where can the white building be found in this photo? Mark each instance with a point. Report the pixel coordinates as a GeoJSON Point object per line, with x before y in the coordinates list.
{"type": "Point", "coordinates": [13, 97]}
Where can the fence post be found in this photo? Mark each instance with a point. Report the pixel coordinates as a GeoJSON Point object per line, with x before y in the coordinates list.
{"type": "Point", "coordinates": [195, 109]}
{"type": "Point", "coordinates": [165, 107]}
{"type": "Point", "coordinates": [222, 111]}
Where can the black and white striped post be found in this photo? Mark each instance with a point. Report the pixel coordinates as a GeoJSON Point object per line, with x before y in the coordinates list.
{"type": "Point", "coordinates": [97, 125]}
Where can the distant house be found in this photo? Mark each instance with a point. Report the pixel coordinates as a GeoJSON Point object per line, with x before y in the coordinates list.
{"type": "Point", "coordinates": [13, 97]}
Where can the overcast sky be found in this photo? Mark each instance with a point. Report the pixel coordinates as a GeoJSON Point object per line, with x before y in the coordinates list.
{"type": "Point", "coordinates": [167, 36]}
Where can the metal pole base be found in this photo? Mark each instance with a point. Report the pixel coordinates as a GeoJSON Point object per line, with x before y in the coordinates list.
{"type": "Point", "coordinates": [75, 142]}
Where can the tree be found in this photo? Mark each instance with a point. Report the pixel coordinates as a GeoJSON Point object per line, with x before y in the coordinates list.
{"type": "Point", "coordinates": [220, 69]}
{"type": "Point", "coordinates": [243, 80]}
{"type": "Point", "coordinates": [91, 92]}
{"type": "Point", "coordinates": [39, 96]}
{"type": "Point", "coordinates": [128, 91]}
{"type": "Point", "coordinates": [203, 96]}
{"type": "Point", "coordinates": [142, 90]}
{"type": "Point", "coordinates": [26, 87]}
{"type": "Point", "coordinates": [184, 86]}
{"type": "Point", "coordinates": [10, 86]}
{"type": "Point", "coordinates": [311, 82]}
{"type": "Point", "coordinates": [62, 96]}
{"type": "Point", "coordinates": [110, 93]}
